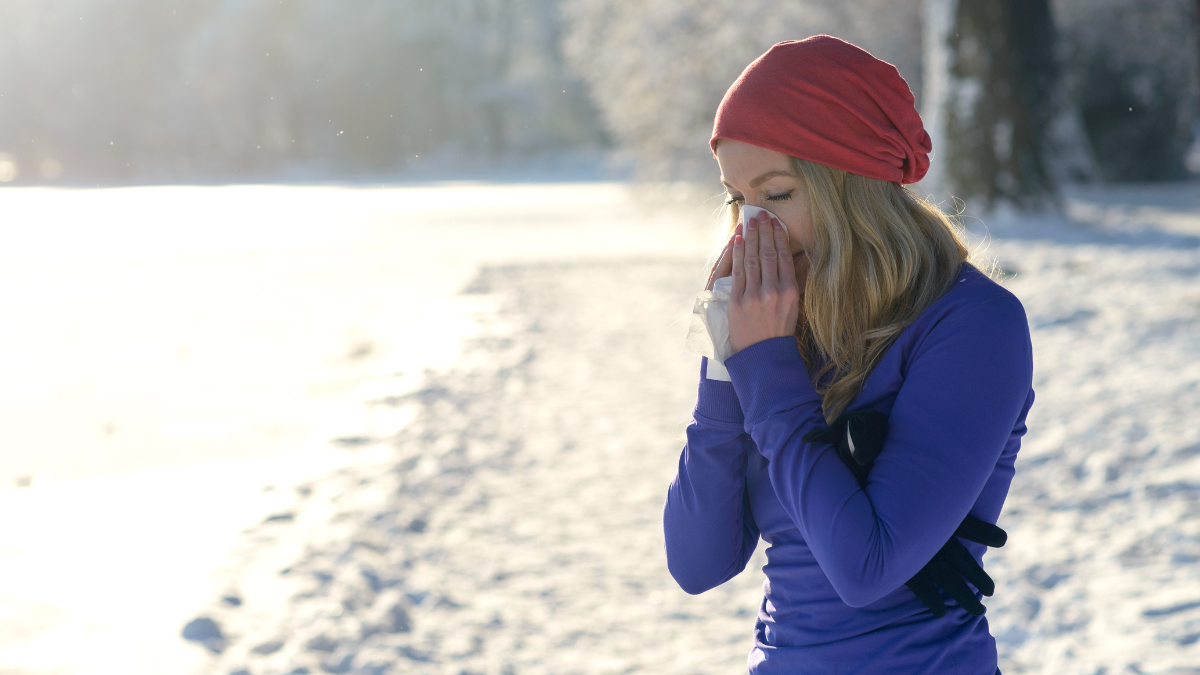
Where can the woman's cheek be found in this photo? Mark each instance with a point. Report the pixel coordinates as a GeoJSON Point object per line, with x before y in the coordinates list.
{"type": "Point", "coordinates": [798, 232]}
{"type": "Point", "coordinates": [795, 238]}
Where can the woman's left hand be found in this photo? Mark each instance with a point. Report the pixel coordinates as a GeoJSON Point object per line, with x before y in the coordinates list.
{"type": "Point", "coordinates": [765, 302]}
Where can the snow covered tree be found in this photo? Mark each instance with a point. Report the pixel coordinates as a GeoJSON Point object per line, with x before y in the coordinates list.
{"type": "Point", "coordinates": [658, 68]}
{"type": "Point", "coordinates": [249, 89]}
{"type": "Point", "coordinates": [246, 89]}
{"type": "Point", "coordinates": [368, 89]}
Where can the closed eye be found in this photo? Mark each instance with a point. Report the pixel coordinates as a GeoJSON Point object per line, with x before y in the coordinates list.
{"type": "Point", "coordinates": [771, 198]}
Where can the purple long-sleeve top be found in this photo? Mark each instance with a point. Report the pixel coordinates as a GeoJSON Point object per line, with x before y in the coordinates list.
{"type": "Point", "coordinates": [956, 386]}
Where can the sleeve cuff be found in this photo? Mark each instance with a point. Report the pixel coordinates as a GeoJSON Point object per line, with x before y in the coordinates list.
{"type": "Point", "coordinates": [717, 400]}
{"type": "Point", "coordinates": [769, 375]}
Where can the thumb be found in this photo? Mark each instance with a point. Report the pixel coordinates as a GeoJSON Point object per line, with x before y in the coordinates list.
{"type": "Point", "coordinates": [724, 266]}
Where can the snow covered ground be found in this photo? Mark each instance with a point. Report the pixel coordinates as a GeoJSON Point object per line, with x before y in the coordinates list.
{"type": "Point", "coordinates": [174, 358]}
{"type": "Point", "coordinates": [1102, 572]}
{"type": "Point", "coordinates": [502, 511]}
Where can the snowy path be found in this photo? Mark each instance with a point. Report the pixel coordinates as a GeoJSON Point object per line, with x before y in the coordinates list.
{"type": "Point", "coordinates": [516, 529]}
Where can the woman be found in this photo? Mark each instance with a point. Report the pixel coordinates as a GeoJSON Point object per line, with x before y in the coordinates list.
{"type": "Point", "coordinates": [856, 297]}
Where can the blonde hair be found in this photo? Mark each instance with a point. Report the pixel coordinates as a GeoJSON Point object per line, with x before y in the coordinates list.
{"type": "Point", "coordinates": [880, 255]}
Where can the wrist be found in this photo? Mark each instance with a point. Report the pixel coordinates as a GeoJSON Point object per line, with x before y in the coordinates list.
{"type": "Point", "coordinates": [768, 374]}
{"type": "Point", "coordinates": [745, 342]}
{"type": "Point", "coordinates": [717, 400]}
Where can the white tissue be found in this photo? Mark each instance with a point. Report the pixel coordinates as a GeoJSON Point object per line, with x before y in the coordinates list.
{"type": "Point", "coordinates": [749, 212]}
{"type": "Point", "coordinates": [708, 334]}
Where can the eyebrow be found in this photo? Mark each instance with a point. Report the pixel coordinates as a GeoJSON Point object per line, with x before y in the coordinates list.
{"type": "Point", "coordinates": [761, 179]}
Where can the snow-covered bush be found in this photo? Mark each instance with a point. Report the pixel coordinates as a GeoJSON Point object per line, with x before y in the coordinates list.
{"type": "Point", "coordinates": [236, 89]}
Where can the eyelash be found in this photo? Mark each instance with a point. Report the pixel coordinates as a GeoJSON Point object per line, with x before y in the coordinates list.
{"type": "Point", "coordinates": [771, 198]}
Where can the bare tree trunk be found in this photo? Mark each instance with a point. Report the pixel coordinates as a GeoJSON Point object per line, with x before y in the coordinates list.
{"type": "Point", "coordinates": [990, 99]}
{"type": "Point", "coordinates": [1191, 160]}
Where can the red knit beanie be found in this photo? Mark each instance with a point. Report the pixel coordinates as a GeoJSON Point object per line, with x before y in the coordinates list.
{"type": "Point", "coordinates": [825, 100]}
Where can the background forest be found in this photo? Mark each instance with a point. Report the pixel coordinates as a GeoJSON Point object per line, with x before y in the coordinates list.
{"type": "Point", "coordinates": [134, 91]}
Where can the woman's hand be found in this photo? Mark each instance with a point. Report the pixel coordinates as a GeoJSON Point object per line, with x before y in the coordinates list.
{"type": "Point", "coordinates": [765, 302]}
